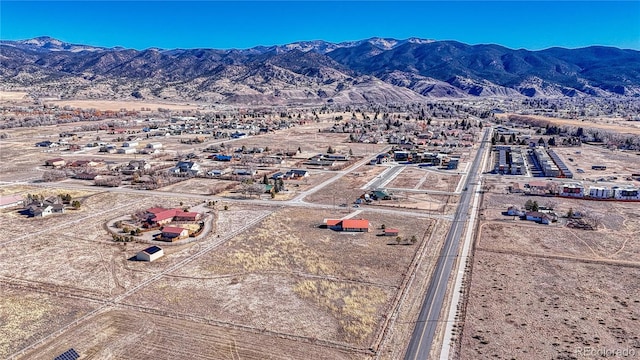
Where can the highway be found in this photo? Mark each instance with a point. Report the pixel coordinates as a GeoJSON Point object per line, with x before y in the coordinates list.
{"type": "Point", "coordinates": [428, 319]}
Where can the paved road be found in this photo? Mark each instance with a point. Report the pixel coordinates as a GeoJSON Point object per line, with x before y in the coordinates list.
{"type": "Point", "coordinates": [427, 323]}
{"type": "Point", "coordinates": [384, 178]}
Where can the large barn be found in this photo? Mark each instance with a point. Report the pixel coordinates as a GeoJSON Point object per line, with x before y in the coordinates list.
{"type": "Point", "coordinates": [150, 254]}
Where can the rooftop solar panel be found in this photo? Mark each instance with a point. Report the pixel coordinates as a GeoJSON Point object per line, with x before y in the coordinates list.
{"type": "Point", "coordinates": [152, 250]}
{"type": "Point", "coordinates": [70, 354]}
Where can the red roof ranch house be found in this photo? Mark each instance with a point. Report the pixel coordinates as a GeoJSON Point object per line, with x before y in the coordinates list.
{"type": "Point", "coordinates": [162, 216]}
{"type": "Point", "coordinates": [351, 225]}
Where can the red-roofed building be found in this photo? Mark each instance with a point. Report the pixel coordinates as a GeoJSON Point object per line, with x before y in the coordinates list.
{"type": "Point", "coordinates": [161, 216]}
{"type": "Point", "coordinates": [391, 232]}
{"type": "Point", "coordinates": [156, 210]}
{"type": "Point", "coordinates": [174, 233]}
{"type": "Point", "coordinates": [355, 225]}
{"type": "Point", "coordinates": [164, 217]}
{"type": "Point", "coordinates": [360, 225]}
{"type": "Point", "coordinates": [187, 216]}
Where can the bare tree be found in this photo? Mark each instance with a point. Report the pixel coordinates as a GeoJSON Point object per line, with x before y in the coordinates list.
{"type": "Point", "coordinates": [53, 175]}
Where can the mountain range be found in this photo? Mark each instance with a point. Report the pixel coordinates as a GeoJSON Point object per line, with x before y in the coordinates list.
{"type": "Point", "coordinates": [379, 70]}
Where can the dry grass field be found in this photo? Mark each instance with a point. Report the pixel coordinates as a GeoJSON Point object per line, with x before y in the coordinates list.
{"type": "Point", "coordinates": [26, 315]}
{"type": "Point", "coordinates": [128, 334]}
{"type": "Point", "coordinates": [620, 164]}
{"type": "Point", "coordinates": [337, 286]}
{"type": "Point", "coordinates": [200, 186]}
{"type": "Point", "coordinates": [115, 105]}
{"type": "Point", "coordinates": [309, 140]}
{"type": "Point", "coordinates": [611, 124]}
{"type": "Point", "coordinates": [421, 179]}
{"type": "Point", "coordinates": [12, 96]}
{"type": "Point", "coordinates": [348, 188]}
{"type": "Point", "coordinates": [548, 291]}
{"type": "Point", "coordinates": [533, 307]}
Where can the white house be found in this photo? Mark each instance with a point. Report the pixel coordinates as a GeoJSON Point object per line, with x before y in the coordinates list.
{"type": "Point", "coordinates": [127, 150]}
{"type": "Point", "coordinates": [186, 167]}
{"type": "Point", "coordinates": [150, 254]}
{"type": "Point", "coordinates": [154, 145]}
{"type": "Point", "coordinates": [130, 144]}
{"type": "Point", "coordinates": [538, 217]}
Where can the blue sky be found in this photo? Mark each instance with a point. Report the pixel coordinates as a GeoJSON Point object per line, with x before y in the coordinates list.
{"type": "Point", "coordinates": [241, 24]}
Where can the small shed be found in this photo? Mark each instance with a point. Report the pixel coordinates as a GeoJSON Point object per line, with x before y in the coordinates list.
{"type": "Point", "coordinates": [150, 254]}
{"type": "Point", "coordinates": [391, 232]}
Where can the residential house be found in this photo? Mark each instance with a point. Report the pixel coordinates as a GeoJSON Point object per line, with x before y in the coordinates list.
{"type": "Point", "coordinates": [135, 165]}
{"type": "Point", "coordinates": [43, 208]}
{"type": "Point", "coordinates": [245, 172]}
{"type": "Point", "coordinates": [514, 211]}
{"type": "Point", "coordinates": [130, 144]}
{"type": "Point", "coordinates": [127, 150]}
{"type": "Point", "coordinates": [219, 157]}
{"type": "Point", "coordinates": [538, 217]}
{"type": "Point", "coordinates": [217, 172]}
{"type": "Point", "coordinates": [296, 174]}
{"type": "Point", "coordinates": [46, 143]}
{"type": "Point", "coordinates": [162, 216]}
{"type": "Point", "coordinates": [453, 163]}
{"type": "Point", "coordinates": [186, 168]}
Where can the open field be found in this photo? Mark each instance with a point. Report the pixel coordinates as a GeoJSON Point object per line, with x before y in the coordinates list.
{"type": "Point", "coordinates": [619, 163]}
{"type": "Point", "coordinates": [549, 291]}
{"type": "Point", "coordinates": [310, 141]}
{"type": "Point", "coordinates": [26, 315]}
{"type": "Point", "coordinates": [422, 179]}
{"type": "Point", "coordinates": [532, 307]}
{"type": "Point", "coordinates": [337, 286]}
{"type": "Point", "coordinates": [618, 125]}
{"type": "Point", "coordinates": [129, 334]}
{"type": "Point", "coordinates": [13, 96]}
{"type": "Point", "coordinates": [116, 105]}
{"type": "Point", "coordinates": [347, 189]}
{"type": "Point", "coordinates": [200, 186]}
